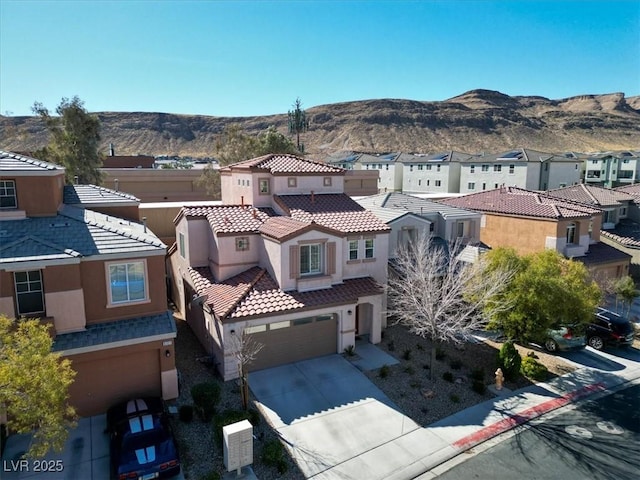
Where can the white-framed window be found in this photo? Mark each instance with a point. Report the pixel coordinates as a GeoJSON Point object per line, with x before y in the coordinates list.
{"type": "Point", "coordinates": [571, 233]}
{"type": "Point", "coordinates": [484, 186]}
{"type": "Point", "coordinates": [512, 169]}
{"type": "Point", "coordinates": [485, 168]}
{"type": "Point", "coordinates": [242, 244]}
{"type": "Point", "coordinates": [471, 186]}
{"type": "Point", "coordinates": [497, 168]}
{"type": "Point", "coordinates": [255, 329]}
{"type": "Point", "coordinates": [386, 167]}
{"type": "Point", "coordinates": [437, 168]}
{"type": "Point", "coordinates": [623, 211]}
{"type": "Point", "coordinates": [181, 245]}
{"type": "Point", "coordinates": [353, 249]}
{"type": "Point", "coordinates": [369, 248]}
{"type": "Point", "coordinates": [438, 183]}
{"type": "Point", "coordinates": [428, 181]}
{"type": "Point", "coordinates": [419, 182]}
{"type": "Point", "coordinates": [29, 292]}
{"type": "Point", "coordinates": [411, 168]}
{"type": "Point", "coordinates": [292, 182]}
{"type": "Point", "coordinates": [263, 186]}
{"type": "Point", "coordinates": [8, 194]}
{"type": "Point", "coordinates": [472, 168]}
{"type": "Point", "coordinates": [420, 166]}
{"type": "Point", "coordinates": [127, 282]}
{"type": "Point", "coordinates": [428, 167]}
{"type": "Point", "coordinates": [311, 259]}
{"type": "Point", "coordinates": [326, 181]}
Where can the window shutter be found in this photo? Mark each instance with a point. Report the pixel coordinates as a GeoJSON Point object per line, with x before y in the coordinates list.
{"type": "Point", "coordinates": [331, 258]}
{"type": "Point", "coordinates": [294, 261]}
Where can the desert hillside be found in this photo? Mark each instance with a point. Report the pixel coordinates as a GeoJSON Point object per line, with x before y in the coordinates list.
{"type": "Point", "coordinates": [479, 120]}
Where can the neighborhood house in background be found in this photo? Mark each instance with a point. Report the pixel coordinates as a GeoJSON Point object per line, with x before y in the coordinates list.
{"type": "Point", "coordinates": [76, 257]}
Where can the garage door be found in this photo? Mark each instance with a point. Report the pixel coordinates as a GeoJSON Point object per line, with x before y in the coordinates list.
{"type": "Point", "coordinates": [103, 380]}
{"type": "Point", "coordinates": [294, 340]}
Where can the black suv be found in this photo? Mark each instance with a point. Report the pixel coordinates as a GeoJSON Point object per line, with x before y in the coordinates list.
{"type": "Point", "coordinates": [609, 329]}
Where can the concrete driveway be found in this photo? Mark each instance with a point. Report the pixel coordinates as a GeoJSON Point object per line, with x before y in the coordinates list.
{"type": "Point", "coordinates": [334, 421]}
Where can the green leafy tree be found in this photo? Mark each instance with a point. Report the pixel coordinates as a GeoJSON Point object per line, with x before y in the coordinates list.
{"type": "Point", "coordinates": [235, 146]}
{"type": "Point", "coordinates": [547, 290]}
{"type": "Point", "coordinates": [34, 385]}
{"type": "Point", "coordinates": [625, 290]}
{"type": "Point", "coordinates": [74, 140]}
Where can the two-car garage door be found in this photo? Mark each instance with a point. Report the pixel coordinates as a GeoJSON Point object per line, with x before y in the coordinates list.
{"type": "Point", "coordinates": [294, 340]}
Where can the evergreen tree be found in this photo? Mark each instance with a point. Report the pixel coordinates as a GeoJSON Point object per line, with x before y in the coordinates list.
{"type": "Point", "coordinates": [74, 140]}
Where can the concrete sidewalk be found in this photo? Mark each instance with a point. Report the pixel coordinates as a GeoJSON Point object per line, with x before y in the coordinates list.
{"type": "Point", "coordinates": [360, 436]}
{"type": "Point", "coordinates": [414, 454]}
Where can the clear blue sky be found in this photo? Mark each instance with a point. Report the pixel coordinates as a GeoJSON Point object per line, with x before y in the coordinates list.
{"type": "Point", "coordinates": [255, 57]}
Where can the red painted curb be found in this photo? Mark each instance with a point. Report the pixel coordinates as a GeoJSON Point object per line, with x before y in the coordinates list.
{"type": "Point", "coordinates": [530, 413]}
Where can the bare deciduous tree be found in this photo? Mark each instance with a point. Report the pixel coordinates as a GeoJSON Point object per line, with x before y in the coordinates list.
{"type": "Point", "coordinates": [438, 296]}
{"type": "Point", "coordinates": [245, 349]}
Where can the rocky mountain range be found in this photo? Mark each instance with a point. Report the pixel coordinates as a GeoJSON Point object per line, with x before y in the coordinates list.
{"type": "Point", "coordinates": [476, 121]}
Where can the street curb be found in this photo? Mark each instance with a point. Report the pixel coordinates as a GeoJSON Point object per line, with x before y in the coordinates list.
{"type": "Point", "coordinates": [526, 415]}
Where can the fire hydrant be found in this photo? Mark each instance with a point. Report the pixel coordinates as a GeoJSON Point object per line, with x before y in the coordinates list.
{"type": "Point", "coordinates": [499, 379]}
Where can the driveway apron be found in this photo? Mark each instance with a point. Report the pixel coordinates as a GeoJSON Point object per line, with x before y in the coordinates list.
{"type": "Point", "coordinates": [328, 412]}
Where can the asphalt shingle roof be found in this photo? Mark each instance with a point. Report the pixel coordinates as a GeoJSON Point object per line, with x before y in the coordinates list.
{"type": "Point", "coordinates": [73, 232]}
{"type": "Point", "coordinates": [118, 331]}
{"type": "Point", "coordinates": [254, 292]}
{"type": "Point", "coordinates": [284, 164]}
{"type": "Point", "coordinates": [600, 253]}
{"type": "Point", "coordinates": [336, 211]}
{"type": "Point", "coordinates": [521, 202]}
{"type": "Point", "coordinates": [591, 195]}
{"type": "Point", "coordinates": [88, 195]}
{"type": "Point", "coordinates": [10, 161]}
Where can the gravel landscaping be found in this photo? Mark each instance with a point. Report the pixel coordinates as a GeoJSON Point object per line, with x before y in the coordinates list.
{"type": "Point", "coordinates": [407, 384]}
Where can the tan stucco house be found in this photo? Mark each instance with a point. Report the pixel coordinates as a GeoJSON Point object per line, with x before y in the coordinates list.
{"type": "Point", "coordinates": [76, 257]}
{"type": "Point", "coordinates": [530, 221]}
{"type": "Point", "coordinates": [288, 258]}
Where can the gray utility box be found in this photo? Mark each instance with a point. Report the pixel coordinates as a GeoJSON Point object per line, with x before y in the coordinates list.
{"type": "Point", "coordinates": [238, 445]}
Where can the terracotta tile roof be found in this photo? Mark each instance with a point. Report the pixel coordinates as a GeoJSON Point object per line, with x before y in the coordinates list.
{"type": "Point", "coordinates": [230, 219]}
{"type": "Point", "coordinates": [285, 164]}
{"type": "Point", "coordinates": [521, 202]}
{"type": "Point", "coordinates": [336, 211]}
{"type": "Point", "coordinates": [283, 227]}
{"type": "Point", "coordinates": [633, 190]}
{"type": "Point", "coordinates": [255, 293]}
{"type": "Point", "coordinates": [590, 195]}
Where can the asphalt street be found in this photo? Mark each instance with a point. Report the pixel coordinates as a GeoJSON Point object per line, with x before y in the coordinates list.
{"type": "Point", "coordinates": [598, 439]}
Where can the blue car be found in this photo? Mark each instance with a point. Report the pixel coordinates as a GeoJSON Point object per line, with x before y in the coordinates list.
{"type": "Point", "coordinates": [141, 441]}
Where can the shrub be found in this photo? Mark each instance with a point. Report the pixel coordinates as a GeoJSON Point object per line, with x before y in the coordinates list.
{"type": "Point", "coordinates": [185, 413]}
{"type": "Point", "coordinates": [232, 416]}
{"type": "Point", "coordinates": [350, 350]}
{"type": "Point", "coordinates": [407, 354]}
{"type": "Point", "coordinates": [455, 364]}
{"type": "Point", "coordinates": [273, 456]}
{"type": "Point", "coordinates": [477, 374]}
{"type": "Point", "coordinates": [206, 396]}
{"type": "Point", "coordinates": [409, 369]}
{"type": "Point", "coordinates": [509, 360]}
{"type": "Point", "coordinates": [533, 369]}
{"type": "Point", "coordinates": [391, 346]}
{"type": "Point", "coordinates": [448, 376]}
{"type": "Point", "coordinates": [454, 398]}
{"type": "Point", "coordinates": [440, 354]}
{"type": "Point", "coordinates": [384, 371]}
{"type": "Point", "coordinates": [479, 387]}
